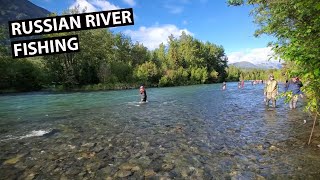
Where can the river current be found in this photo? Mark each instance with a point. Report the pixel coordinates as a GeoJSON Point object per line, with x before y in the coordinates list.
{"type": "Point", "coordinates": [191, 132]}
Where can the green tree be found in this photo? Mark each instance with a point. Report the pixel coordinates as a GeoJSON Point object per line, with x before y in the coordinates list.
{"type": "Point", "coordinates": [147, 73]}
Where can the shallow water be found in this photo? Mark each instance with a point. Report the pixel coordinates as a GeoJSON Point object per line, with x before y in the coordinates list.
{"type": "Point", "coordinates": [193, 132]}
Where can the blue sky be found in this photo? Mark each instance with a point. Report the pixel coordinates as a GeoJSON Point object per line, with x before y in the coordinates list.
{"type": "Point", "coordinates": [206, 20]}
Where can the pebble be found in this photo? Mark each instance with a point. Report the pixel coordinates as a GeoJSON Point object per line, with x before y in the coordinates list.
{"type": "Point", "coordinates": [167, 167]}
{"type": "Point", "coordinates": [123, 173]}
{"type": "Point", "coordinates": [258, 177]}
{"type": "Point", "coordinates": [149, 172]}
{"type": "Point", "coordinates": [98, 149]}
{"type": "Point", "coordinates": [30, 176]}
{"type": "Point", "coordinates": [136, 168]}
{"type": "Point", "coordinates": [89, 145]}
{"type": "Point", "coordinates": [128, 167]}
{"type": "Point", "coordinates": [260, 147]}
{"type": "Point", "coordinates": [13, 160]}
{"type": "Point", "coordinates": [71, 146]}
{"type": "Point", "coordinates": [274, 148]}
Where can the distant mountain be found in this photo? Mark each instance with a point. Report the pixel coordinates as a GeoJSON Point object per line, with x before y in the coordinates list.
{"type": "Point", "coordinates": [264, 65]}
{"type": "Point", "coordinates": [19, 9]}
{"type": "Point", "coordinates": [269, 65]}
{"type": "Point", "coordinates": [244, 64]}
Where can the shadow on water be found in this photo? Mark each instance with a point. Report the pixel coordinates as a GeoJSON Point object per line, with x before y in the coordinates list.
{"type": "Point", "coordinates": [192, 132]}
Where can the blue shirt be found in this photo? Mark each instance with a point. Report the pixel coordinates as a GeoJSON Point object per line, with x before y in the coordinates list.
{"type": "Point", "coordinates": [294, 87]}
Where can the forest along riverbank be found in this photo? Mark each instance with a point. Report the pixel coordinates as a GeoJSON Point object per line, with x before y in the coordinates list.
{"type": "Point", "coordinates": [184, 132]}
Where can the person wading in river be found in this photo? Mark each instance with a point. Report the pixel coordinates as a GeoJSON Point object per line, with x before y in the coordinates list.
{"type": "Point", "coordinates": [143, 94]}
{"type": "Point", "coordinates": [271, 90]}
{"type": "Point", "coordinates": [294, 86]}
{"type": "Point", "coordinates": [224, 86]}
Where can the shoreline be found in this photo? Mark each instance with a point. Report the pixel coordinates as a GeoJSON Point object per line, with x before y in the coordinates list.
{"type": "Point", "coordinates": [97, 88]}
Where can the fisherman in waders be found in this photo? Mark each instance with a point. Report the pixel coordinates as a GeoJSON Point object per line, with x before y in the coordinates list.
{"type": "Point", "coordinates": [271, 91]}
{"type": "Point", "coordinates": [143, 94]}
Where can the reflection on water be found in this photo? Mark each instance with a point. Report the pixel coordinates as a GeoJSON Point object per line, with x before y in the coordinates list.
{"type": "Point", "coordinates": [194, 132]}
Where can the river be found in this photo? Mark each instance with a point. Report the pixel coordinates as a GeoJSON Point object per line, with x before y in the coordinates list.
{"type": "Point", "coordinates": [191, 132]}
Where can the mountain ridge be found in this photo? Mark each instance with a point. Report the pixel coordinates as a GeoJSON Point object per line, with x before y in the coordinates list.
{"type": "Point", "coordinates": [20, 9]}
{"type": "Point", "coordinates": [249, 65]}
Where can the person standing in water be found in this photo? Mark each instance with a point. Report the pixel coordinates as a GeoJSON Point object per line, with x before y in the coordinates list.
{"type": "Point", "coordinates": [143, 94]}
{"type": "Point", "coordinates": [294, 86]}
{"type": "Point", "coordinates": [242, 83]}
{"type": "Point", "coordinates": [271, 90]}
{"type": "Point", "coordinates": [224, 86]}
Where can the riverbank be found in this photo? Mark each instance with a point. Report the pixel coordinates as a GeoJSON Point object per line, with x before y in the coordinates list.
{"type": "Point", "coordinates": [102, 87]}
{"type": "Point", "coordinates": [92, 88]}
{"type": "Point", "coordinates": [86, 88]}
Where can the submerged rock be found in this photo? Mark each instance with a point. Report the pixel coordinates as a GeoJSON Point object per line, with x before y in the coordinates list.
{"type": "Point", "coordinates": [13, 160]}
{"type": "Point", "coordinates": [98, 149]}
{"type": "Point", "coordinates": [167, 167]}
{"type": "Point", "coordinates": [149, 173]}
{"type": "Point", "coordinates": [258, 177]}
{"type": "Point", "coordinates": [129, 167]}
{"type": "Point", "coordinates": [123, 173]}
{"type": "Point", "coordinates": [51, 133]}
{"type": "Point", "coordinates": [88, 145]}
{"type": "Point", "coordinates": [31, 176]}
{"type": "Point", "coordinates": [136, 168]}
{"type": "Point", "coordinates": [274, 148]}
{"type": "Point", "coordinates": [87, 155]}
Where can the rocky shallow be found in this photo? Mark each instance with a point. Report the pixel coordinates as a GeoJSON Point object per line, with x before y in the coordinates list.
{"type": "Point", "coordinates": [176, 151]}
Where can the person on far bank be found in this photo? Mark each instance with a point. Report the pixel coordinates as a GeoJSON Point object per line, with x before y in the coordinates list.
{"type": "Point", "coordinates": [294, 86]}
{"type": "Point", "coordinates": [271, 91]}
{"type": "Point", "coordinates": [143, 94]}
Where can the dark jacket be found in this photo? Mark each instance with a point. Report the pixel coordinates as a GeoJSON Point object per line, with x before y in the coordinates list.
{"type": "Point", "coordinates": [144, 95]}
{"type": "Point", "coordinates": [294, 87]}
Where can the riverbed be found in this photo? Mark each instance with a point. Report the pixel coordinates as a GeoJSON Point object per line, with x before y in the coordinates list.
{"type": "Point", "coordinates": [191, 132]}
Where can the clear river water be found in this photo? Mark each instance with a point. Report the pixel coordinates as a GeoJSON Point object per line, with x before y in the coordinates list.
{"type": "Point", "coordinates": [191, 132]}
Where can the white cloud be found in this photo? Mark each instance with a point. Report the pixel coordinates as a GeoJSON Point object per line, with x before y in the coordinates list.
{"type": "Point", "coordinates": [130, 2]}
{"type": "Point", "coordinates": [94, 5]}
{"type": "Point", "coordinates": [104, 5]}
{"type": "Point", "coordinates": [255, 56]}
{"type": "Point", "coordinates": [151, 37]}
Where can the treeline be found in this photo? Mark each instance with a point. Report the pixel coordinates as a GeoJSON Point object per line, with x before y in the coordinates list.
{"type": "Point", "coordinates": [109, 60]}
{"type": "Point", "coordinates": [237, 74]}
